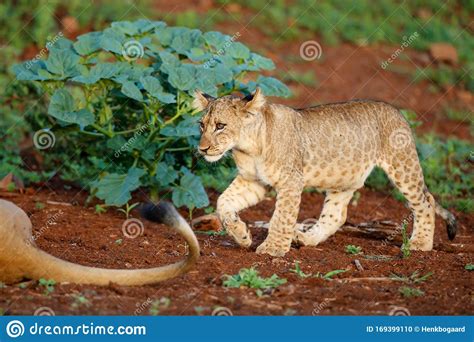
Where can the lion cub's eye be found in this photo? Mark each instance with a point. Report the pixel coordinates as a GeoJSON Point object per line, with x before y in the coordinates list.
{"type": "Point", "coordinates": [201, 125]}
{"type": "Point", "coordinates": [220, 126]}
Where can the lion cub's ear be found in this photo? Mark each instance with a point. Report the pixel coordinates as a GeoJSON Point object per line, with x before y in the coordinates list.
{"type": "Point", "coordinates": [201, 100]}
{"type": "Point", "coordinates": [255, 102]}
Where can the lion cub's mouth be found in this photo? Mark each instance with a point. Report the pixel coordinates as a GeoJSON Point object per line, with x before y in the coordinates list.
{"type": "Point", "coordinates": [213, 158]}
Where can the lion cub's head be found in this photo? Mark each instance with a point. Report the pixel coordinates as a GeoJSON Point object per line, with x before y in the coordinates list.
{"type": "Point", "coordinates": [224, 120]}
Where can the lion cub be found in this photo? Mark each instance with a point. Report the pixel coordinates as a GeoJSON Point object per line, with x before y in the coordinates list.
{"type": "Point", "coordinates": [332, 147]}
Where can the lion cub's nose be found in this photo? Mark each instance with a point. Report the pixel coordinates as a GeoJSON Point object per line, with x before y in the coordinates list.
{"type": "Point", "coordinates": [204, 149]}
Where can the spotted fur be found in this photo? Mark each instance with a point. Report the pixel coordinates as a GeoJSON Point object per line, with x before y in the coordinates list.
{"type": "Point", "coordinates": [332, 147]}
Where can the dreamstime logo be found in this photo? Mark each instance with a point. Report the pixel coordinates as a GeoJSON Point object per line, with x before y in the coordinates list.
{"type": "Point", "coordinates": [132, 228]}
{"type": "Point", "coordinates": [142, 306]}
{"type": "Point", "coordinates": [44, 139]}
{"type": "Point", "coordinates": [15, 329]}
{"type": "Point", "coordinates": [407, 41]}
{"type": "Point", "coordinates": [400, 138]}
{"type": "Point", "coordinates": [132, 50]}
{"type": "Point", "coordinates": [318, 307]}
{"type": "Point", "coordinates": [44, 311]}
{"type": "Point", "coordinates": [44, 51]}
{"type": "Point", "coordinates": [130, 142]}
{"type": "Point", "coordinates": [185, 248]}
{"type": "Point", "coordinates": [52, 220]}
{"type": "Point", "coordinates": [310, 50]}
{"type": "Point", "coordinates": [222, 311]}
{"type": "Point", "coordinates": [399, 311]}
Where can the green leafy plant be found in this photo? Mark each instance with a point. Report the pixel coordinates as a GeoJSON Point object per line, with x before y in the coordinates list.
{"type": "Point", "coordinates": [414, 278]}
{"type": "Point", "coordinates": [249, 277]}
{"type": "Point", "coordinates": [128, 208]}
{"type": "Point", "coordinates": [407, 291]}
{"type": "Point", "coordinates": [469, 267]}
{"type": "Point", "coordinates": [100, 209]}
{"type": "Point", "coordinates": [297, 270]}
{"type": "Point", "coordinates": [329, 275]}
{"type": "Point", "coordinates": [158, 305]}
{"type": "Point", "coordinates": [48, 285]}
{"type": "Point", "coordinates": [39, 205]}
{"type": "Point", "coordinates": [405, 248]}
{"type": "Point", "coordinates": [120, 106]}
{"type": "Point", "coordinates": [351, 249]}
{"type": "Point", "coordinates": [80, 300]}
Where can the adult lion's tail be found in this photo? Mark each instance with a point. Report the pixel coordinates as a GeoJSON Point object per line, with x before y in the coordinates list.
{"type": "Point", "coordinates": [20, 258]}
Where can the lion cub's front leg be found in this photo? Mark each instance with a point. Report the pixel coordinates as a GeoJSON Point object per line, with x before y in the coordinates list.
{"type": "Point", "coordinates": [282, 224]}
{"type": "Point", "coordinates": [240, 194]}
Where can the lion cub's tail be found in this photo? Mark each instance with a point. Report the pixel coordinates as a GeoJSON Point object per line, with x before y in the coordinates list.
{"type": "Point", "coordinates": [451, 223]}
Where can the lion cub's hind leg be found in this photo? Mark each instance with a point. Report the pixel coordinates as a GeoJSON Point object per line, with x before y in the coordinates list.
{"type": "Point", "coordinates": [332, 217]}
{"type": "Point", "coordinates": [407, 176]}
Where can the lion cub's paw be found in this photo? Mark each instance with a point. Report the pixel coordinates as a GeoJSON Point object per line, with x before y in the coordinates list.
{"type": "Point", "coordinates": [419, 244]}
{"type": "Point", "coordinates": [269, 247]}
{"type": "Point", "coordinates": [240, 233]}
{"type": "Point", "coordinates": [311, 237]}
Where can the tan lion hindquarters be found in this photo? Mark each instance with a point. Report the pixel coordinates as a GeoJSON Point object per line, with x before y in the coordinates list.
{"type": "Point", "coordinates": [21, 259]}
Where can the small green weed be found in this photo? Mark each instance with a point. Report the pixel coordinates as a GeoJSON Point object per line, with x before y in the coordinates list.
{"type": "Point", "coordinates": [414, 278]}
{"type": "Point", "coordinates": [209, 210]}
{"type": "Point", "coordinates": [329, 275]}
{"type": "Point", "coordinates": [80, 300]}
{"type": "Point", "coordinates": [128, 209]}
{"type": "Point", "coordinates": [100, 209]}
{"type": "Point", "coordinates": [159, 305]}
{"type": "Point", "coordinates": [39, 205]}
{"type": "Point", "coordinates": [351, 249]}
{"type": "Point", "coordinates": [405, 248]}
{"type": "Point", "coordinates": [48, 285]}
{"type": "Point", "coordinates": [407, 291]}
{"type": "Point", "coordinates": [297, 270]}
{"type": "Point", "coordinates": [469, 267]}
{"type": "Point", "coordinates": [249, 277]}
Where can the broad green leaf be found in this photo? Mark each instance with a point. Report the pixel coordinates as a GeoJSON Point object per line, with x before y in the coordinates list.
{"type": "Point", "coordinates": [216, 39]}
{"type": "Point", "coordinates": [262, 62]}
{"type": "Point", "coordinates": [132, 72]}
{"type": "Point", "coordinates": [183, 77]}
{"type": "Point", "coordinates": [165, 174]}
{"type": "Point", "coordinates": [238, 50]}
{"type": "Point", "coordinates": [153, 86]}
{"type": "Point", "coordinates": [187, 127]}
{"type": "Point", "coordinates": [190, 192]}
{"type": "Point", "coordinates": [131, 90]}
{"type": "Point", "coordinates": [88, 43]}
{"type": "Point", "coordinates": [63, 63]}
{"type": "Point", "coordinates": [125, 27]}
{"type": "Point", "coordinates": [270, 86]}
{"type": "Point", "coordinates": [169, 62]}
{"type": "Point", "coordinates": [112, 41]}
{"type": "Point", "coordinates": [186, 41]}
{"type": "Point", "coordinates": [115, 189]}
{"type": "Point", "coordinates": [166, 35]}
{"type": "Point", "coordinates": [29, 71]}
{"type": "Point", "coordinates": [62, 107]}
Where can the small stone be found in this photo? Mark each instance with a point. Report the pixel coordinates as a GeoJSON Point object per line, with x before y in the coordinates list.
{"type": "Point", "coordinates": [358, 265]}
{"type": "Point", "coordinates": [444, 52]}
